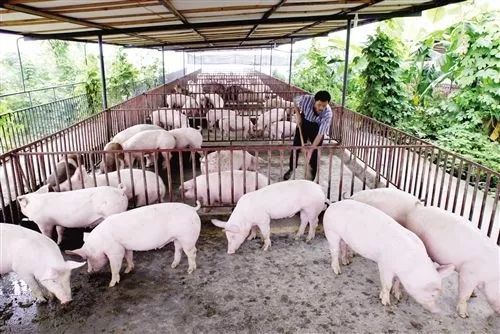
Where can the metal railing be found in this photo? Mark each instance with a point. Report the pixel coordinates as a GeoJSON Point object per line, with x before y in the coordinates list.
{"type": "Point", "coordinates": [370, 154]}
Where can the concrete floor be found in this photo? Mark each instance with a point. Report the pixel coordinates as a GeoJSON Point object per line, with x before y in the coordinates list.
{"type": "Point", "coordinates": [289, 289]}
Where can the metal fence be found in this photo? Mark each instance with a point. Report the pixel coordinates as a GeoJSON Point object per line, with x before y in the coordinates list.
{"type": "Point", "coordinates": [367, 154]}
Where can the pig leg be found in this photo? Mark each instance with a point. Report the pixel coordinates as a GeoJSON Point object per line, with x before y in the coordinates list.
{"type": "Point", "coordinates": [191, 255]}
{"type": "Point", "coordinates": [253, 233]}
{"type": "Point", "coordinates": [334, 243]}
{"type": "Point", "coordinates": [177, 254]}
{"type": "Point", "coordinates": [46, 230]}
{"type": "Point", "coordinates": [313, 223]}
{"type": "Point", "coordinates": [115, 256]}
{"type": "Point", "coordinates": [466, 287]}
{"type": "Point", "coordinates": [303, 224]}
{"type": "Point", "coordinates": [396, 289]}
{"type": "Point", "coordinates": [166, 160]}
{"type": "Point", "coordinates": [344, 253]}
{"type": "Point", "coordinates": [60, 233]}
{"type": "Point", "coordinates": [32, 283]}
{"type": "Point", "coordinates": [386, 278]}
{"type": "Point", "coordinates": [492, 292]}
{"type": "Point", "coordinates": [130, 262]}
{"type": "Point", "coordinates": [265, 230]}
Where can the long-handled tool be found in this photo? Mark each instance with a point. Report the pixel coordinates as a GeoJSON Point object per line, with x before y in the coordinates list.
{"type": "Point", "coordinates": [306, 160]}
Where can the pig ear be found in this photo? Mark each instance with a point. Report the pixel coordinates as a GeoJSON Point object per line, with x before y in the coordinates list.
{"type": "Point", "coordinates": [445, 270]}
{"type": "Point", "coordinates": [218, 223]}
{"type": "Point", "coordinates": [49, 274]}
{"type": "Point", "coordinates": [79, 252]}
{"type": "Point", "coordinates": [74, 265]}
{"type": "Point", "coordinates": [23, 201]}
{"type": "Point", "coordinates": [122, 187]}
{"type": "Point", "coordinates": [232, 228]}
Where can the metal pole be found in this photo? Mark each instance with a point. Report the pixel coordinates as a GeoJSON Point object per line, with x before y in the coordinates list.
{"type": "Point", "coordinates": [22, 70]}
{"type": "Point", "coordinates": [290, 62]}
{"type": "Point", "coordinates": [346, 62]}
{"type": "Point", "coordinates": [201, 62]}
{"type": "Point", "coordinates": [184, 62]}
{"type": "Point", "coordinates": [194, 61]}
{"type": "Point", "coordinates": [271, 62]}
{"type": "Point", "coordinates": [260, 61]}
{"type": "Point", "coordinates": [163, 64]}
{"type": "Point", "coordinates": [103, 75]}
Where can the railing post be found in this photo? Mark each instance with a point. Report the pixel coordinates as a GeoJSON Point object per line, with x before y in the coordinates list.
{"type": "Point", "coordinates": [271, 63]}
{"type": "Point", "coordinates": [163, 64]}
{"type": "Point", "coordinates": [104, 89]}
{"type": "Point", "coordinates": [346, 62]}
{"type": "Point", "coordinates": [290, 62]}
{"type": "Point", "coordinates": [184, 62]}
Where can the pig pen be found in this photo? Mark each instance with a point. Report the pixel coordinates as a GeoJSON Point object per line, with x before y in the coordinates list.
{"type": "Point", "coordinates": [291, 288]}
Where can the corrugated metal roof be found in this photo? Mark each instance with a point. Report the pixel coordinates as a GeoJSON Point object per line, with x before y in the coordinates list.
{"type": "Point", "coordinates": [181, 24]}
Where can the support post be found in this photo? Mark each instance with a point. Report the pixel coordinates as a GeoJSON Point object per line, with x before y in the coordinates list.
{"type": "Point", "coordinates": [103, 75]}
{"type": "Point", "coordinates": [163, 65]}
{"type": "Point", "coordinates": [184, 62]}
{"type": "Point", "coordinates": [271, 63]}
{"type": "Point", "coordinates": [260, 61]}
{"type": "Point", "coordinates": [346, 62]}
{"type": "Point", "coordinates": [22, 70]}
{"type": "Point", "coordinates": [201, 63]}
{"type": "Point", "coordinates": [290, 62]}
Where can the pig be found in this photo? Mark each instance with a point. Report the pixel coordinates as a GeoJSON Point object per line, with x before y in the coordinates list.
{"type": "Point", "coordinates": [149, 140]}
{"type": "Point", "coordinates": [279, 200]}
{"type": "Point", "coordinates": [169, 118]}
{"type": "Point", "coordinates": [141, 187]}
{"type": "Point", "coordinates": [236, 123]}
{"type": "Point", "coordinates": [215, 100]}
{"type": "Point", "coordinates": [194, 88]}
{"type": "Point", "coordinates": [376, 236]}
{"type": "Point", "coordinates": [191, 108]}
{"type": "Point", "coordinates": [112, 161]}
{"type": "Point", "coordinates": [129, 132]}
{"type": "Point", "coordinates": [177, 100]}
{"type": "Point", "coordinates": [180, 90]}
{"type": "Point", "coordinates": [36, 260]}
{"type": "Point", "coordinates": [281, 129]}
{"type": "Point", "coordinates": [252, 181]}
{"type": "Point", "coordinates": [187, 137]}
{"type": "Point", "coordinates": [78, 208]}
{"type": "Point", "coordinates": [450, 238]}
{"type": "Point", "coordinates": [393, 202]}
{"type": "Point", "coordinates": [273, 115]}
{"type": "Point", "coordinates": [142, 229]}
{"type": "Point", "coordinates": [64, 167]}
{"type": "Point", "coordinates": [275, 101]}
{"type": "Point", "coordinates": [241, 160]}
{"type": "Point", "coordinates": [213, 116]}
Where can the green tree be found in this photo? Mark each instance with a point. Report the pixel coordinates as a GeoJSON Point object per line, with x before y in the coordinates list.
{"type": "Point", "coordinates": [123, 78]}
{"type": "Point", "coordinates": [384, 95]}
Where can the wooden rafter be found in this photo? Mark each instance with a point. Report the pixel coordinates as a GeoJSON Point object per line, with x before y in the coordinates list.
{"type": "Point", "coordinates": [181, 17]}
{"type": "Point", "coordinates": [264, 17]}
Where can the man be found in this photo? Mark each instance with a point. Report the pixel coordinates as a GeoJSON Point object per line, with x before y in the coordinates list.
{"type": "Point", "coordinates": [314, 120]}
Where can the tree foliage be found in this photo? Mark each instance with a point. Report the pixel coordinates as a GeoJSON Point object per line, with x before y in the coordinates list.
{"type": "Point", "coordinates": [123, 78]}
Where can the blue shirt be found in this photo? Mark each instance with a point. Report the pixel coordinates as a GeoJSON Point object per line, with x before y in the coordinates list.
{"type": "Point", "coordinates": [324, 119]}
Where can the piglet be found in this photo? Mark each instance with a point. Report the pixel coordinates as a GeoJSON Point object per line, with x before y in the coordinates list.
{"type": "Point", "coordinates": [142, 229]}
{"type": "Point", "coordinates": [271, 116]}
{"type": "Point", "coordinates": [148, 140]}
{"type": "Point", "coordinates": [169, 118]}
{"type": "Point", "coordinates": [129, 132]}
{"type": "Point", "coordinates": [236, 123]}
{"type": "Point", "coordinates": [72, 209]}
{"type": "Point", "coordinates": [239, 179]}
{"type": "Point", "coordinates": [399, 253]}
{"type": "Point", "coordinates": [450, 238]}
{"type": "Point", "coordinates": [187, 137]}
{"type": "Point", "coordinates": [240, 160]}
{"type": "Point", "coordinates": [112, 161]}
{"type": "Point", "coordinates": [37, 260]}
{"type": "Point", "coordinates": [279, 200]}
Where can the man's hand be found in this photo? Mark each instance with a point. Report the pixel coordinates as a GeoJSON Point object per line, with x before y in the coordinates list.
{"type": "Point", "coordinates": [298, 117]}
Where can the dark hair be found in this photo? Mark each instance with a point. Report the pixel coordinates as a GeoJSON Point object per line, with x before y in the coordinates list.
{"type": "Point", "coordinates": [322, 95]}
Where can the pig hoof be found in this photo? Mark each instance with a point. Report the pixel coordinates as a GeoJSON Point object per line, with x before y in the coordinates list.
{"type": "Point", "coordinates": [296, 237]}
{"type": "Point", "coordinates": [174, 265]}
{"type": "Point", "coordinates": [346, 262]}
{"type": "Point", "coordinates": [336, 270]}
{"type": "Point", "coordinates": [190, 270]}
{"type": "Point", "coordinates": [128, 269]}
{"type": "Point", "coordinates": [462, 310]}
{"type": "Point", "coordinates": [309, 239]}
{"type": "Point", "coordinates": [398, 295]}
{"type": "Point", "coordinates": [385, 298]}
{"type": "Point", "coordinates": [41, 299]}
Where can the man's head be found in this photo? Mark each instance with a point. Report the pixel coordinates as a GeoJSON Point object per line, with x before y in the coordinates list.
{"type": "Point", "coordinates": [321, 98]}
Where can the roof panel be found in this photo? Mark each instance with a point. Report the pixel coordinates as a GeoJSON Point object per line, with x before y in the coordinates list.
{"type": "Point", "coordinates": [196, 23]}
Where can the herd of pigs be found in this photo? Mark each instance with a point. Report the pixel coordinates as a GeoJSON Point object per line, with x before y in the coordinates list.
{"type": "Point", "coordinates": [414, 245]}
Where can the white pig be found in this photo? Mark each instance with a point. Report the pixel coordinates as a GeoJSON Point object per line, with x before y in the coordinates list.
{"type": "Point", "coordinates": [277, 102]}
{"type": "Point", "coordinates": [78, 208]}
{"type": "Point", "coordinates": [275, 201]}
{"type": "Point", "coordinates": [281, 129]}
{"type": "Point", "coordinates": [142, 229]}
{"type": "Point", "coordinates": [393, 202]}
{"type": "Point", "coordinates": [241, 160]}
{"type": "Point", "coordinates": [398, 252]}
{"type": "Point", "coordinates": [148, 140]}
{"type": "Point", "coordinates": [37, 260]}
{"type": "Point", "coordinates": [215, 99]}
{"type": "Point", "coordinates": [452, 239]}
{"type": "Point", "coordinates": [129, 132]}
{"type": "Point", "coordinates": [177, 100]}
{"type": "Point", "coordinates": [192, 107]}
{"type": "Point", "coordinates": [169, 118]}
{"type": "Point", "coordinates": [213, 116]}
{"type": "Point", "coordinates": [252, 182]}
{"type": "Point", "coordinates": [271, 116]}
{"type": "Point", "coordinates": [236, 123]}
{"type": "Point", "coordinates": [187, 137]}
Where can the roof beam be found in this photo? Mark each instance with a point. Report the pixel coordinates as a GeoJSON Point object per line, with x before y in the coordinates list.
{"type": "Point", "coordinates": [264, 17]}
{"type": "Point", "coordinates": [167, 4]}
{"type": "Point", "coordinates": [58, 17]}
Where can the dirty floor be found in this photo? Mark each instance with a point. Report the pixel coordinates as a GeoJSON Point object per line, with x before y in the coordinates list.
{"type": "Point", "coordinates": [289, 289]}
